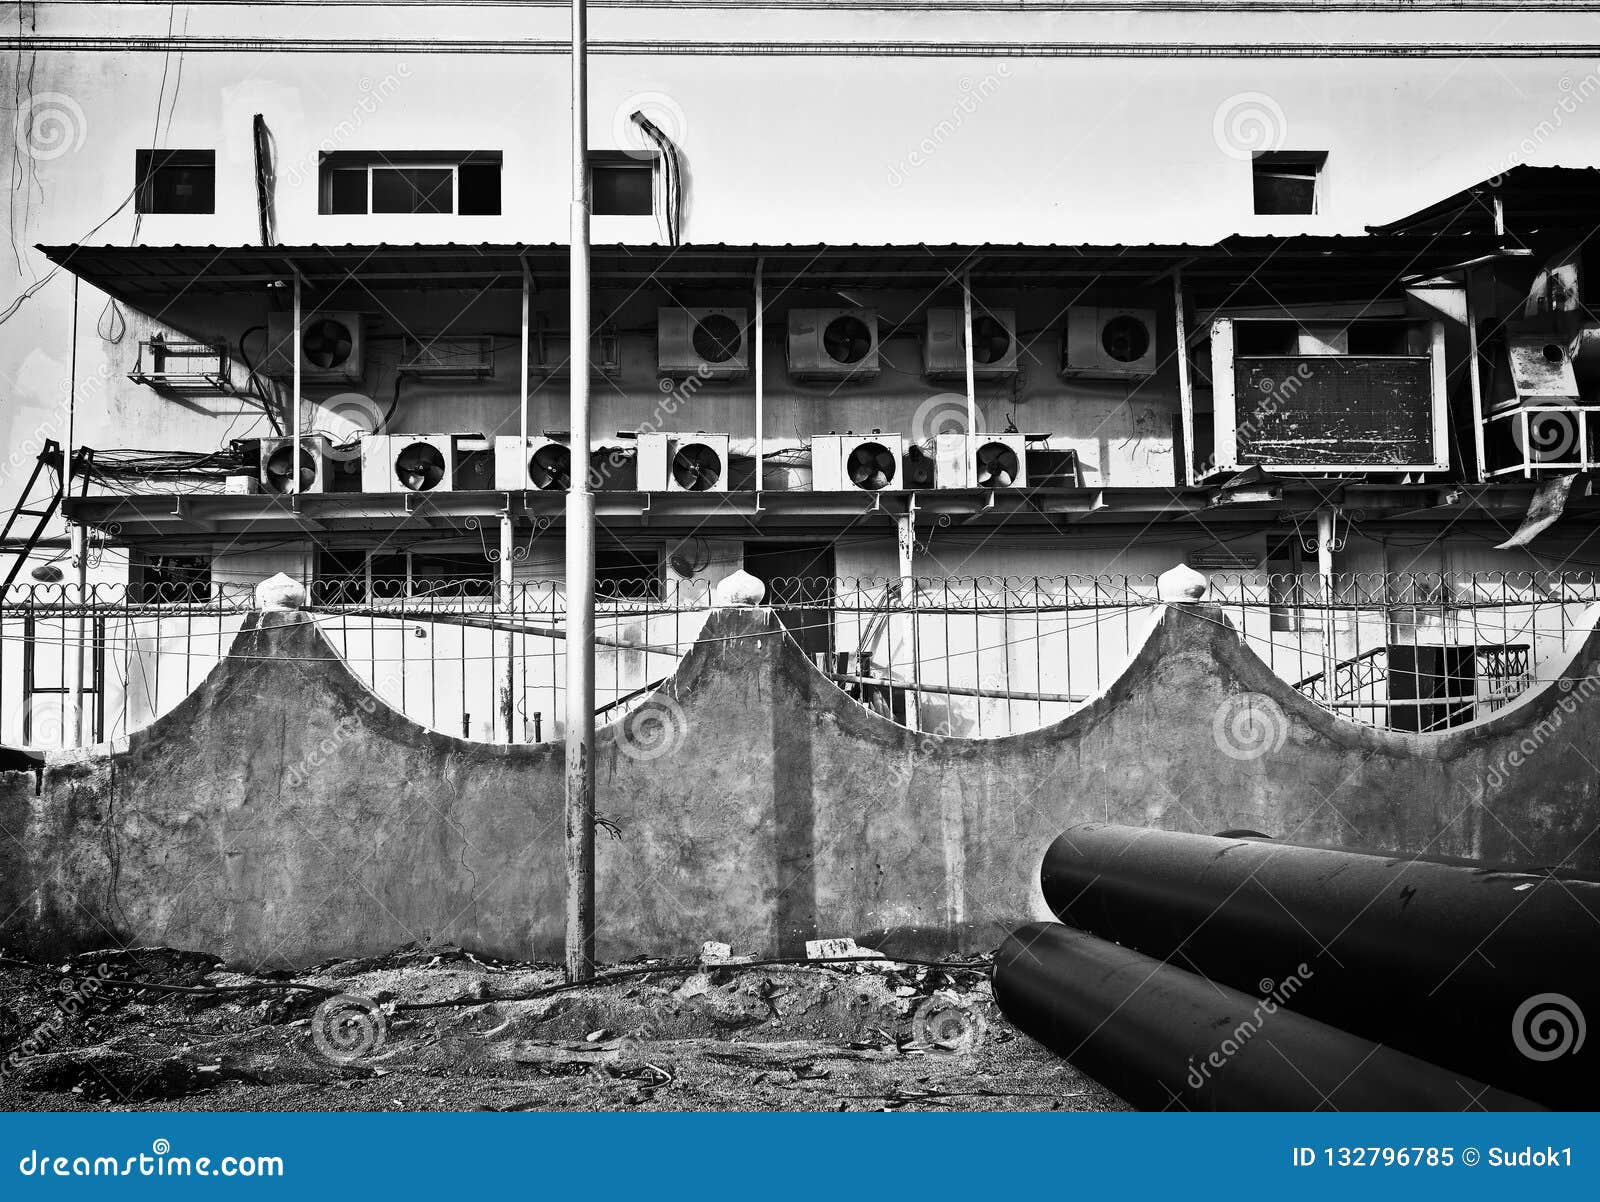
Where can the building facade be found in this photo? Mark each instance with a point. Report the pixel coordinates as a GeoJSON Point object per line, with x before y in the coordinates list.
{"type": "Point", "coordinates": [1063, 294]}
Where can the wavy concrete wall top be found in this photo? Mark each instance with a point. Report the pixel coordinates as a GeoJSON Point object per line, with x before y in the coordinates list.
{"type": "Point", "coordinates": [283, 812]}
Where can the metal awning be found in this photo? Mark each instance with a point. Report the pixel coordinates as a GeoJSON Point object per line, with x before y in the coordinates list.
{"type": "Point", "coordinates": [1366, 265]}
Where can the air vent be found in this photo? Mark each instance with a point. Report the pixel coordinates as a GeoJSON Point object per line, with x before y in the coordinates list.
{"type": "Point", "coordinates": [706, 344]}
{"type": "Point", "coordinates": [331, 347]}
{"type": "Point", "coordinates": [857, 462]}
{"type": "Point", "coordinates": [994, 345]}
{"type": "Point", "coordinates": [683, 462]}
{"type": "Point", "coordinates": [427, 463]}
{"type": "Point", "coordinates": [284, 473]}
{"type": "Point", "coordinates": [833, 344]}
{"type": "Point", "coordinates": [1110, 344]}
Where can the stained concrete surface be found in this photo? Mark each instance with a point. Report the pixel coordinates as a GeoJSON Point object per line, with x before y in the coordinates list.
{"type": "Point", "coordinates": [284, 814]}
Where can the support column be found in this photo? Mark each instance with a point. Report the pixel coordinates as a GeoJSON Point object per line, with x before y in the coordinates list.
{"type": "Point", "coordinates": [507, 638]}
{"type": "Point", "coordinates": [906, 544]}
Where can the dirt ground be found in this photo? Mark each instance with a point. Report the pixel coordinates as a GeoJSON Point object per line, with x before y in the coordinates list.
{"type": "Point", "coordinates": [673, 1035]}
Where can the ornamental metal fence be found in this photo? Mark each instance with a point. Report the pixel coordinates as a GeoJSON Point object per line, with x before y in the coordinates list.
{"type": "Point", "coordinates": [970, 657]}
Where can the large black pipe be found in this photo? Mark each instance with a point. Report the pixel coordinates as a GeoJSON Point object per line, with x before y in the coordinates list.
{"type": "Point", "coordinates": [1486, 970]}
{"type": "Point", "coordinates": [1164, 1038]}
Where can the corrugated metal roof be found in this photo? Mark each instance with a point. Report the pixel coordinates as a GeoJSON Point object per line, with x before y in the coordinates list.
{"type": "Point", "coordinates": [135, 272]}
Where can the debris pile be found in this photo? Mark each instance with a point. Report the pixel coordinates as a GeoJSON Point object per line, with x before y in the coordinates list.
{"type": "Point", "coordinates": [438, 1027]}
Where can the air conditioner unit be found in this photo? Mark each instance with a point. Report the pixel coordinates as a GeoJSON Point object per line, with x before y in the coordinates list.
{"type": "Point", "coordinates": [437, 463]}
{"type": "Point", "coordinates": [330, 346]}
{"type": "Point", "coordinates": [856, 462]}
{"type": "Point", "coordinates": [277, 471]}
{"type": "Point", "coordinates": [544, 464]}
{"type": "Point", "coordinates": [1109, 344]}
{"type": "Point", "coordinates": [833, 344]}
{"type": "Point", "coordinates": [683, 462]}
{"type": "Point", "coordinates": [994, 461]}
{"type": "Point", "coordinates": [550, 357]}
{"type": "Point", "coordinates": [708, 344]}
{"type": "Point", "coordinates": [1329, 414]}
{"type": "Point", "coordinates": [994, 345]}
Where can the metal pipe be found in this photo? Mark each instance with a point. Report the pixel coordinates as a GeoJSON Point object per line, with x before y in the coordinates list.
{"type": "Point", "coordinates": [78, 535]}
{"type": "Point", "coordinates": [760, 370]}
{"type": "Point", "coordinates": [1164, 1038]}
{"type": "Point", "coordinates": [1477, 968]}
{"type": "Point", "coordinates": [579, 735]}
{"type": "Point", "coordinates": [972, 383]}
{"type": "Point", "coordinates": [295, 450]}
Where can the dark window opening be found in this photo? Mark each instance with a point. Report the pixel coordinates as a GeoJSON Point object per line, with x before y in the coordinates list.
{"type": "Point", "coordinates": [1286, 181]}
{"type": "Point", "coordinates": [1252, 338]}
{"type": "Point", "coordinates": [353, 577]}
{"type": "Point", "coordinates": [1379, 338]}
{"type": "Point", "coordinates": [339, 578]}
{"type": "Point", "coordinates": [627, 573]}
{"type": "Point", "coordinates": [347, 190]}
{"type": "Point", "coordinates": [451, 574]}
{"type": "Point", "coordinates": [1436, 686]}
{"type": "Point", "coordinates": [176, 181]}
{"type": "Point", "coordinates": [478, 189]}
{"type": "Point", "coordinates": [169, 579]}
{"type": "Point", "coordinates": [623, 186]}
{"type": "Point", "coordinates": [1287, 593]}
{"type": "Point", "coordinates": [412, 181]}
{"type": "Point", "coordinates": [413, 189]}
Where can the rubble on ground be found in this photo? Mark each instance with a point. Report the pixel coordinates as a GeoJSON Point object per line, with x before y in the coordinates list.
{"type": "Point", "coordinates": [436, 1027]}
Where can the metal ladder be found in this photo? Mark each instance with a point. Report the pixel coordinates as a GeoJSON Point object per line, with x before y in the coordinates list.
{"type": "Point", "coordinates": [49, 460]}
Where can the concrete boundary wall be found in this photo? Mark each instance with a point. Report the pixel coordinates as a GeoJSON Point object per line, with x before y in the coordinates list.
{"type": "Point", "coordinates": [283, 813]}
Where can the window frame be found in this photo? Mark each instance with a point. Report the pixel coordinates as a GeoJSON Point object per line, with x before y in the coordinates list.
{"type": "Point", "coordinates": [1290, 165]}
{"type": "Point", "coordinates": [629, 160]}
{"type": "Point", "coordinates": [371, 161]}
{"type": "Point", "coordinates": [147, 163]}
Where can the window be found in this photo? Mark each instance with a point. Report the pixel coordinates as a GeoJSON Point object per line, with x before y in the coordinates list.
{"type": "Point", "coordinates": [627, 573]}
{"type": "Point", "coordinates": [175, 181]}
{"type": "Point", "coordinates": [353, 577]}
{"type": "Point", "coordinates": [622, 184]}
{"type": "Point", "coordinates": [466, 183]}
{"type": "Point", "coordinates": [167, 579]}
{"type": "Point", "coordinates": [1286, 181]}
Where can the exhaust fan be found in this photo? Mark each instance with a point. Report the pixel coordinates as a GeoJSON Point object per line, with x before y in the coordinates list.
{"type": "Point", "coordinates": [992, 461]}
{"type": "Point", "coordinates": [994, 345]}
{"type": "Point", "coordinates": [1109, 344]}
{"type": "Point", "coordinates": [704, 343]}
{"type": "Point", "coordinates": [433, 463]}
{"type": "Point", "coordinates": [833, 344]}
{"type": "Point", "coordinates": [283, 472]}
{"type": "Point", "coordinates": [848, 462]}
{"type": "Point", "coordinates": [683, 462]}
{"type": "Point", "coordinates": [545, 465]}
{"type": "Point", "coordinates": [330, 346]}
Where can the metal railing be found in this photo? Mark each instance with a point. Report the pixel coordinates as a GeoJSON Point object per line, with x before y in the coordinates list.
{"type": "Point", "coordinates": [971, 657]}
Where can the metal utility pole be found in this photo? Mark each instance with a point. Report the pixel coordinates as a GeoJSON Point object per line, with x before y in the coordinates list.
{"type": "Point", "coordinates": [580, 548]}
